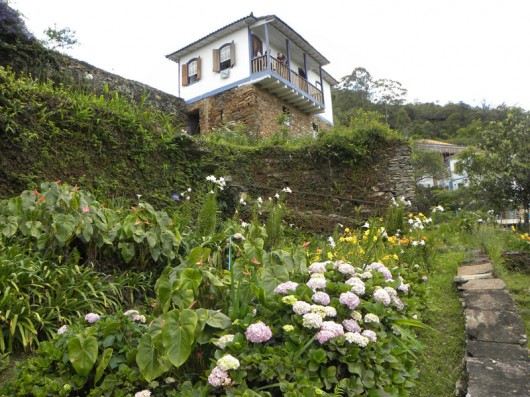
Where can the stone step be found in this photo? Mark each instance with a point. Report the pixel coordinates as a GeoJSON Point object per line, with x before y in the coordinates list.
{"type": "Point", "coordinates": [496, 350]}
{"type": "Point", "coordinates": [465, 279]}
{"type": "Point", "coordinates": [494, 283]}
{"type": "Point", "coordinates": [486, 267]}
{"type": "Point", "coordinates": [497, 378]}
{"type": "Point", "coordinates": [488, 300]}
{"type": "Point", "coordinates": [494, 326]}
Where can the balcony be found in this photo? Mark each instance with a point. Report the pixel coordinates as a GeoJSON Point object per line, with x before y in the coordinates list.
{"type": "Point", "coordinates": [277, 78]}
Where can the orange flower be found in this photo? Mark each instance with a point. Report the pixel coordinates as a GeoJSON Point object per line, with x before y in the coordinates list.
{"type": "Point", "coordinates": [304, 245]}
{"type": "Point", "coordinates": [255, 261]}
{"type": "Point", "coordinates": [41, 198]}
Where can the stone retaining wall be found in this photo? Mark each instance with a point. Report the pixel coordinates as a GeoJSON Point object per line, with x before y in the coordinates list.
{"type": "Point", "coordinates": [256, 109]}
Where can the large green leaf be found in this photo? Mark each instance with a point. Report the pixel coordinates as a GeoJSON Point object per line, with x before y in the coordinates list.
{"type": "Point", "coordinates": [272, 276]}
{"type": "Point", "coordinates": [149, 358]}
{"type": "Point", "coordinates": [198, 255]}
{"type": "Point", "coordinates": [190, 279]}
{"type": "Point", "coordinates": [254, 248]}
{"type": "Point", "coordinates": [178, 335]}
{"type": "Point", "coordinates": [103, 363]}
{"type": "Point", "coordinates": [63, 226]}
{"type": "Point", "coordinates": [127, 251]}
{"type": "Point", "coordinates": [83, 352]}
{"type": "Point", "coordinates": [218, 320]}
{"type": "Point", "coordinates": [283, 258]}
{"type": "Point", "coordinates": [10, 228]}
{"type": "Point", "coordinates": [182, 298]}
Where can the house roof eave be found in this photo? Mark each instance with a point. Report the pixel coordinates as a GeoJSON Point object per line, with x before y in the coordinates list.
{"type": "Point", "coordinates": [230, 28]}
{"type": "Point", "coordinates": [251, 20]}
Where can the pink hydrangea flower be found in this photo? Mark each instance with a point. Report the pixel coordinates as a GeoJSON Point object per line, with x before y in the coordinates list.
{"type": "Point", "coordinates": [332, 326]}
{"type": "Point", "coordinates": [321, 298]}
{"type": "Point", "coordinates": [92, 317]}
{"type": "Point", "coordinates": [301, 307]}
{"type": "Point", "coordinates": [318, 267]}
{"type": "Point", "coordinates": [283, 288]}
{"type": "Point", "coordinates": [381, 295]}
{"type": "Point", "coordinates": [258, 333]}
{"type": "Point", "coordinates": [349, 299]}
{"type": "Point", "coordinates": [62, 330]}
{"type": "Point", "coordinates": [351, 325]}
{"type": "Point", "coordinates": [357, 285]}
{"type": "Point", "coordinates": [316, 283]}
{"type": "Point", "coordinates": [370, 335]}
{"type": "Point", "coordinates": [218, 378]}
{"type": "Point", "coordinates": [323, 336]}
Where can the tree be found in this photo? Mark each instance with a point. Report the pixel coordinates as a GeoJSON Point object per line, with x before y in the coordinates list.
{"type": "Point", "coordinates": [499, 171]}
{"type": "Point", "coordinates": [388, 93]}
{"type": "Point", "coordinates": [60, 38]}
{"type": "Point", "coordinates": [428, 164]}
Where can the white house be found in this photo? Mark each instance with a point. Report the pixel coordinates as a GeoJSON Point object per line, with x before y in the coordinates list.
{"type": "Point", "coordinates": [255, 71]}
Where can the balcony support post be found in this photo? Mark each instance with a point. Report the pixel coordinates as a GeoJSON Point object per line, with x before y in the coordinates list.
{"type": "Point", "coordinates": [288, 49]}
{"type": "Point", "coordinates": [267, 45]}
{"type": "Point", "coordinates": [321, 85]}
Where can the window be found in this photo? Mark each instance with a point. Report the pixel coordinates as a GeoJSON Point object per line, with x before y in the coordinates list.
{"type": "Point", "coordinates": [285, 117]}
{"type": "Point", "coordinates": [191, 71]}
{"type": "Point", "coordinates": [224, 57]}
{"type": "Point", "coordinates": [302, 74]}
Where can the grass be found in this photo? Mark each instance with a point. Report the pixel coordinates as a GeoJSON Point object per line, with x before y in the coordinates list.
{"type": "Point", "coordinates": [440, 363]}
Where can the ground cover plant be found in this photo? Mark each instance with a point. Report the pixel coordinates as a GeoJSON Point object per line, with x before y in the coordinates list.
{"type": "Point", "coordinates": [190, 314]}
{"type": "Point", "coordinates": [353, 313]}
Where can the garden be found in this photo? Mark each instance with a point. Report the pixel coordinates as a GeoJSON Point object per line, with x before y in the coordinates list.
{"type": "Point", "coordinates": [107, 300]}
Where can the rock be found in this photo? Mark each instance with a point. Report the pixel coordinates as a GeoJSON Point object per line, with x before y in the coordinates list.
{"type": "Point", "coordinates": [486, 267]}
{"type": "Point", "coordinates": [465, 279]}
{"type": "Point", "coordinates": [494, 326]}
{"type": "Point", "coordinates": [494, 283]}
{"type": "Point", "coordinates": [492, 378]}
{"type": "Point", "coordinates": [488, 300]}
{"type": "Point", "coordinates": [517, 260]}
{"type": "Point", "coordinates": [496, 351]}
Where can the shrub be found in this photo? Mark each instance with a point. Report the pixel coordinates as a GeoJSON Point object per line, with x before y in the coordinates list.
{"type": "Point", "coordinates": [38, 296]}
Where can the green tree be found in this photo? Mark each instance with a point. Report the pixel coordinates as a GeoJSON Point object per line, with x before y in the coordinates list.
{"type": "Point", "coordinates": [60, 38]}
{"type": "Point", "coordinates": [499, 171]}
{"type": "Point", "coordinates": [428, 164]}
{"type": "Point", "coordinates": [388, 93]}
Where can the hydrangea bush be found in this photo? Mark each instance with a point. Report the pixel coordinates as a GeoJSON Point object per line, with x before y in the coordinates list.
{"type": "Point", "coordinates": [339, 327]}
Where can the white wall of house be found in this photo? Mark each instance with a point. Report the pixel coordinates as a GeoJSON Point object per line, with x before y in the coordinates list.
{"type": "Point", "coordinates": [328, 113]}
{"type": "Point", "coordinates": [211, 80]}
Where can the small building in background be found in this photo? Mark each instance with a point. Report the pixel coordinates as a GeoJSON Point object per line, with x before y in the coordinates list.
{"type": "Point", "coordinates": [256, 71]}
{"type": "Point", "coordinates": [448, 151]}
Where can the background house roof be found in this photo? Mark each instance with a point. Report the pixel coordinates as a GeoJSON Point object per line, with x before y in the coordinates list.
{"type": "Point", "coordinates": [251, 20]}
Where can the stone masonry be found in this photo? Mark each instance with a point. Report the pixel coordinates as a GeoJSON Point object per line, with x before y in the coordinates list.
{"type": "Point", "coordinates": [253, 107]}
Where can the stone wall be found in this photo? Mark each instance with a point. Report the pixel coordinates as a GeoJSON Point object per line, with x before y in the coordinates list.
{"type": "Point", "coordinates": [253, 107]}
{"type": "Point", "coordinates": [327, 190]}
{"type": "Point", "coordinates": [44, 64]}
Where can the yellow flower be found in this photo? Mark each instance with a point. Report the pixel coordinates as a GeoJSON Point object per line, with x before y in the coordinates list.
{"type": "Point", "coordinates": [330, 255]}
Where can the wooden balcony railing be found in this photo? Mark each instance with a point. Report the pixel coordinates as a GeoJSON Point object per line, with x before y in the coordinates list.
{"type": "Point", "coordinates": [259, 64]}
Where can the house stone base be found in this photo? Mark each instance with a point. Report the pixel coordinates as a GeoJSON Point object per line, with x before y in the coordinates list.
{"type": "Point", "coordinates": [255, 108]}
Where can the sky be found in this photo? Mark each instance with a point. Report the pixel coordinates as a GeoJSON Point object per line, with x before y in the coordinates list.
{"type": "Point", "coordinates": [471, 51]}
